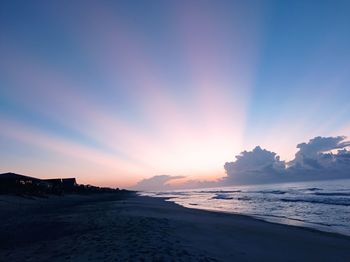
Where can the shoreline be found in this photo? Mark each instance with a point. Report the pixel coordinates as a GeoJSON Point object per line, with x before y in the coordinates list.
{"type": "Point", "coordinates": [321, 206]}
{"type": "Point", "coordinates": [136, 228]}
{"type": "Point", "coordinates": [262, 219]}
{"type": "Point", "coordinates": [268, 219]}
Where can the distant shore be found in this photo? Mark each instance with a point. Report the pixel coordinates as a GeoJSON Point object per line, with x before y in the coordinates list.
{"type": "Point", "coordinates": [112, 227]}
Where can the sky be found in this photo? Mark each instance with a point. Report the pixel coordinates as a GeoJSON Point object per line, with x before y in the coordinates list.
{"type": "Point", "coordinates": [113, 92]}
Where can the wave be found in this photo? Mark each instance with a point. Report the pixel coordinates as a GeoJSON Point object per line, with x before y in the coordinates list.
{"type": "Point", "coordinates": [274, 192]}
{"type": "Point", "coordinates": [313, 189]}
{"type": "Point", "coordinates": [171, 193]}
{"type": "Point", "coordinates": [229, 197]}
{"type": "Point", "coordinates": [338, 202]}
{"type": "Point", "coordinates": [222, 196]}
{"type": "Point", "coordinates": [244, 198]}
{"type": "Point", "coordinates": [332, 194]}
{"type": "Point", "coordinates": [220, 191]}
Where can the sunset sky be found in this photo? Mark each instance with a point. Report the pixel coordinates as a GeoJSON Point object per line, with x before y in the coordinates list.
{"type": "Point", "coordinates": [112, 92]}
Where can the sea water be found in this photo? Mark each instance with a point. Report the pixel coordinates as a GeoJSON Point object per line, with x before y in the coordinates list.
{"type": "Point", "coordinates": [322, 205]}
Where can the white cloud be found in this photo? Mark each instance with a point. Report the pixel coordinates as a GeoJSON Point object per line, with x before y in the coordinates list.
{"type": "Point", "coordinates": [313, 161]}
{"type": "Point", "coordinates": [254, 166]}
{"type": "Point", "coordinates": [309, 153]}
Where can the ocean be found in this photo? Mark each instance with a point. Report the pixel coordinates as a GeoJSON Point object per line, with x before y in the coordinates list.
{"type": "Point", "coordinates": [322, 205]}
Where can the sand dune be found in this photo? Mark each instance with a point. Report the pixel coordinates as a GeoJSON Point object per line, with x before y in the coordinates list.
{"type": "Point", "coordinates": [102, 228]}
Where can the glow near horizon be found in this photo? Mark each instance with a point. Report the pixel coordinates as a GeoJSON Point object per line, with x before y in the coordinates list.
{"type": "Point", "coordinates": [127, 100]}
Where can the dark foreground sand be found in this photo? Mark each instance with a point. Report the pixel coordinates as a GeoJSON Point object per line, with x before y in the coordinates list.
{"type": "Point", "coordinates": [107, 228]}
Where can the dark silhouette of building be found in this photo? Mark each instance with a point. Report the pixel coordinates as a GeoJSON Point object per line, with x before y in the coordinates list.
{"type": "Point", "coordinates": [15, 183]}
{"type": "Point", "coordinates": [11, 183]}
{"type": "Point", "coordinates": [60, 185]}
{"type": "Point", "coordinates": [13, 179]}
{"type": "Point", "coordinates": [66, 182]}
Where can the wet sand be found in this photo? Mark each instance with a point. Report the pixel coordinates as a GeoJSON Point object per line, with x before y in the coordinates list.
{"type": "Point", "coordinates": [134, 228]}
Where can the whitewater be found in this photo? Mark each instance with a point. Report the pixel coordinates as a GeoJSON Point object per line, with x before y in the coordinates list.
{"type": "Point", "coordinates": [321, 205]}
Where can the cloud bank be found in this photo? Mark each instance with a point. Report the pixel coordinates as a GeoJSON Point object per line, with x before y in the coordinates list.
{"type": "Point", "coordinates": [314, 160]}
{"type": "Point", "coordinates": [161, 181]}
{"type": "Point", "coordinates": [254, 166]}
{"type": "Point", "coordinates": [312, 153]}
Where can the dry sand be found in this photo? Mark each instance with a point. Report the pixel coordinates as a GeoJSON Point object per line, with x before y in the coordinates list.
{"type": "Point", "coordinates": [103, 228]}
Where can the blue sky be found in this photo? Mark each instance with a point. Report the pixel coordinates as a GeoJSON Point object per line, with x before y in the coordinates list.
{"type": "Point", "coordinates": [132, 89]}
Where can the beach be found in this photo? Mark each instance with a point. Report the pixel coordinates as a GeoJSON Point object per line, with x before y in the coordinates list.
{"type": "Point", "coordinates": [110, 227]}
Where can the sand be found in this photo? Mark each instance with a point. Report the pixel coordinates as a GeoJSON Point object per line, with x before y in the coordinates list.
{"type": "Point", "coordinates": [107, 228]}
